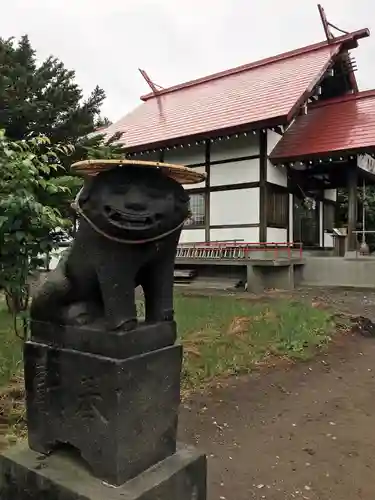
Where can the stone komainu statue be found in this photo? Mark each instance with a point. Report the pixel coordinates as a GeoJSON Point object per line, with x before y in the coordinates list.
{"type": "Point", "coordinates": [131, 215]}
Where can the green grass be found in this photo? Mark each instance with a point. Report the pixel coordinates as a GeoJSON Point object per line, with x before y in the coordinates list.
{"type": "Point", "coordinates": [12, 421]}
{"type": "Point", "coordinates": [10, 347]}
{"type": "Point", "coordinates": [224, 336]}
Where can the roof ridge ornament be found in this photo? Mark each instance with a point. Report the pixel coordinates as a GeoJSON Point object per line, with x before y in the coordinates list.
{"type": "Point", "coordinates": [327, 25]}
{"type": "Point", "coordinates": [156, 89]}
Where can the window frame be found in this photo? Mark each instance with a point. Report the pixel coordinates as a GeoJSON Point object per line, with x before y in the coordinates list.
{"type": "Point", "coordinates": [277, 206]}
{"type": "Point", "coordinates": [200, 219]}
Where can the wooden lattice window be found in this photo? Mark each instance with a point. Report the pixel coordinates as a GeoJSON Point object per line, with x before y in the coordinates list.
{"type": "Point", "coordinates": [197, 209]}
{"type": "Point", "coordinates": [277, 207]}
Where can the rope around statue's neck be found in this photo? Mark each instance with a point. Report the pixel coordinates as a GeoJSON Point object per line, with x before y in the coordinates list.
{"type": "Point", "coordinates": [76, 206]}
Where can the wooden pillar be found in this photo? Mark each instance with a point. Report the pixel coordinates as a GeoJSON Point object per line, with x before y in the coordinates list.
{"type": "Point", "coordinates": [352, 181]}
{"type": "Point", "coordinates": [290, 215]}
{"type": "Point", "coordinates": [207, 196]}
{"type": "Point", "coordinates": [263, 186]}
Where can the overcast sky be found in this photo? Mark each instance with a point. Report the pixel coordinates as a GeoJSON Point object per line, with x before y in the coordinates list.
{"type": "Point", "coordinates": [106, 42]}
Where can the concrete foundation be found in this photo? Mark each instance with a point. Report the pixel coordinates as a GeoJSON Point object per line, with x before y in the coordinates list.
{"type": "Point", "coordinates": [259, 274]}
{"type": "Point", "coordinates": [338, 271]}
{"type": "Point", "coordinates": [280, 275]}
{"type": "Point", "coordinates": [285, 274]}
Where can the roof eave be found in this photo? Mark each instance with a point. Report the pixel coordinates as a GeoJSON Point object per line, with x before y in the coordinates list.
{"type": "Point", "coordinates": [247, 127]}
{"type": "Point", "coordinates": [278, 160]}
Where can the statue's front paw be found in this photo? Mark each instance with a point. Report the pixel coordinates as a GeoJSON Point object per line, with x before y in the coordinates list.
{"type": "Point", "coordinates": [80, 314]}
{"type": "Point", "coordinates": [123, 325]}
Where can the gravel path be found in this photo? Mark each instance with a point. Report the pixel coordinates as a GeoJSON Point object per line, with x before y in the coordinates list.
{"type": "Point", "coordinates": [295, 432]}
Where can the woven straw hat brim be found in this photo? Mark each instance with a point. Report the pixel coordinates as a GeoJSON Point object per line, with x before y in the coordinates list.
{"type": "Point", "coordinates": [183, 175]}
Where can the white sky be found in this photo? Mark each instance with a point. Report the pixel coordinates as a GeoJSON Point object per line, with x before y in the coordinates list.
{"type": "Point", "coordinates": [106, 42]}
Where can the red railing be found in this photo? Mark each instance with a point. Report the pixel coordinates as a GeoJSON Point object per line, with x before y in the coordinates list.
{"type": "Point", "coordinates": [236, 249]}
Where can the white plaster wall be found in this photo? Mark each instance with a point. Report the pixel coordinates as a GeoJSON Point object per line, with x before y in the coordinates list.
{"type": "Point", "coordinates": [246, 234]}
{"type": "Point", "coordinates": [192, 236]}
{"type": "Point", "coordinates": [275, 174]}
{"type": "Point", "coordinates": [277, 235]}
{"type": "Point", "coordinates": [328, 240]}
{"type": "Point", "coordinates": [235, 147]}
{"type": "Point", "coordinates": [235, 172]}
{"type": "Point", "coordinates": [186, 155]}
{"type": "Point", "coordinates": [291, 219]}
{"type": "Point", "coordinates": [237, 206]}
{"type": "Point", "coordinates": [330, 194]}
{"type": "Point", "coordinates": [272, 139]}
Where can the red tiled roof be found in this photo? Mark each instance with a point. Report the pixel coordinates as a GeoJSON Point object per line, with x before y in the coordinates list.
{"type": "Point", "coordinates": [265, 92]}
{"type": "Point", "coordinates": [335, 125]}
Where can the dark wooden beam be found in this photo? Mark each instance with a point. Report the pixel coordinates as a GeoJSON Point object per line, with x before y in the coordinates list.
{"type": "Point", "coordinates": [224, 187]}
{"type": "Point", "coordinates": [234, 187]}
{"type": "Point", "coordinates": [309, 182]}
{"type": "Point", "coordinates": [231, 226]}
{"type": "Point", "coordinates": [289, 234]}
{"type": "Point", "coordinates": [263, 187]}
{"type": "Point", "coordinates": [226, 160]}
{"type": "Point", "coordinates": [207, 200]}
{"type": "Point", "coordinates": [352, 208]}
{"type": "Point", "coordinates": [194, 226]}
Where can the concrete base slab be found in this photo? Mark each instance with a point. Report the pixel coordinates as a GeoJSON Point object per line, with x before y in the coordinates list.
{"type": "Point", "coordinates": [281, 277]}
{"type": "Point", "coordinates": [27, 475]}
{"type": "Point", "coordinates": [351, 254]}
{"type": "Point", "coordinates": [339, 272]}
{"type": "Point", "coordinates": [255, 281]}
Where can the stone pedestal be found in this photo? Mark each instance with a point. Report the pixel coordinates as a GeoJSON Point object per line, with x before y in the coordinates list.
{"type": "Point", "coordinates": [102, 422]}
{"type": "Point", "coordinates": [113, 344]}
{"type": "Point", "coordinates": [120, 414]}
{"type": "Point", "coordinates": [26, 475]}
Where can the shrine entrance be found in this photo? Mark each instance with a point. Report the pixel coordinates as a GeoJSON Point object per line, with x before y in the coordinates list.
{"type": "Point", "coordinates": [306, 222]}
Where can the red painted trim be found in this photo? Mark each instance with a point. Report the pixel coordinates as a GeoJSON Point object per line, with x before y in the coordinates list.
{"type": "Point", "coordinates": [350, 37]}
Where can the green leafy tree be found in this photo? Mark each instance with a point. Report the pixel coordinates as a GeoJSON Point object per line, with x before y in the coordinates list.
{"type": "Point", "coordinates": [29, 228]}
{"type": "Point", "coordinates": [95, 147]}
{"type": "Point", "coordinates": [101, 148]}
{"type": "Point", "coordinates": [43, 99]}
{"type": "Point", "coordinates": [102, 123]}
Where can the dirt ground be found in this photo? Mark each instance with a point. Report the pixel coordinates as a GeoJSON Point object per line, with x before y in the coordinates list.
{"type": "Point", "coordinates": [304, 431]}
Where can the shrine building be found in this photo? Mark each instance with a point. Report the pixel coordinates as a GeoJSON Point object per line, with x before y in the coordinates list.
{"type": "Point", "coordinates": [276, 139]}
